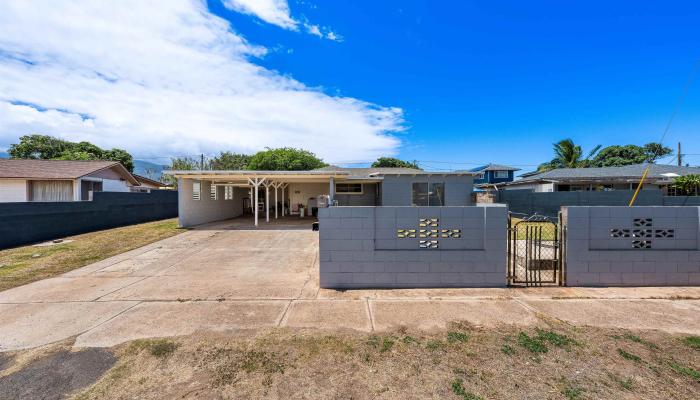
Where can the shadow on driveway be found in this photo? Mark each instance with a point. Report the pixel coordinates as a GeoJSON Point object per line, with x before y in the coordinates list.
{"type": "Point", "coordinates": [55, 376]}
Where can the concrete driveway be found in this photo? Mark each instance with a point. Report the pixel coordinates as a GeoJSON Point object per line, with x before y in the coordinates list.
{"type": "Point", "coordinates": [223, 277]}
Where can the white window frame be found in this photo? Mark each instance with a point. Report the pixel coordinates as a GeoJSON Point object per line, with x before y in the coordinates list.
{"type": "Point", "coordinates": [228, 192]}
{"type": "Point", "coordinates": [196, 190]}
{"type": "Point", "coordinates": [213, 192]}
{"type": "Point", "coordinates": [500, 174]}
{"type": "Point", "coordinates": [362, 188]}
{"type": "Point", "coordinates": [480, 175]}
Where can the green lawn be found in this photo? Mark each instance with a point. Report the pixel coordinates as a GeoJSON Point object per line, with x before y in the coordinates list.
{"type": "Point", "coordinates": [22, 265]}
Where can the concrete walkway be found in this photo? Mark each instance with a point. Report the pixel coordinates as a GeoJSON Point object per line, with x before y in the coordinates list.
{"type": "Point", "coordinates": [222, 277]}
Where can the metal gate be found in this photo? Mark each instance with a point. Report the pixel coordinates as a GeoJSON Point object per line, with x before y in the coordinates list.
{"type": "Point", "coordinates": [535, 251]}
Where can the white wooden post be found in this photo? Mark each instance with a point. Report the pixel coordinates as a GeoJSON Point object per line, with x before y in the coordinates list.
{"type": "Point", "coordinates": [267, 203]}
{"type": "Point", "coordinates": [277, 185]}
{"type": "Point", "coordinates": [283, 186]}
{"type": "Point", "coordinates": [256, 182]}
{"type": "Point", "coordinates": [250, 195]}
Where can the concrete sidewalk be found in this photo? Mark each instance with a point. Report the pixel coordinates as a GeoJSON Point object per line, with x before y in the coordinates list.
{"type": "Point", "coordinates": [219, 278]}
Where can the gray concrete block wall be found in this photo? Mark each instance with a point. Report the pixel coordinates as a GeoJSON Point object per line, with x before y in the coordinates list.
{"type": "Point", "coordinates": [196, 212]}
{"type": "Point", "coordinates": [594, 257]}
{"type": "Point", "coordinates": [359, 247]}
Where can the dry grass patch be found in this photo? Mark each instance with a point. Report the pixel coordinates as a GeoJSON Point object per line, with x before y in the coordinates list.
{"type": "Point", "coordinates": [22, 265]}
{"type": "Point", "coordinates": [460, 362]}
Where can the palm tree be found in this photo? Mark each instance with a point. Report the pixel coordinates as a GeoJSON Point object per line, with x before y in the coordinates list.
{"type": "Point", "coordinates": [567, 154]}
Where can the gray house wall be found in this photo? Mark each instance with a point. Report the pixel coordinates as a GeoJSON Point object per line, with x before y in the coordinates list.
{"type": "Point", "coordinates": [397, 190]}
{"type": "Point", "coordinates": [196, 212]}
{"type": "Point", "coordinates": [600, 246]}
{"type": "Point", "coordinates": [360, 247]}
{"type": "Point", "coordinates": [367, 198]}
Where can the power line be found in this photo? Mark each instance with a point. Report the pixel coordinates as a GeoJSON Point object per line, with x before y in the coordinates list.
{"type": "Point", "coordinates": [681, 99]}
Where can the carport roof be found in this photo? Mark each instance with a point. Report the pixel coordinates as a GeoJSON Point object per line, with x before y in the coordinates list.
{"type": "Point", "coordinates": [370, 174]}
{"type": "Point", "coordinates": [245, 174]}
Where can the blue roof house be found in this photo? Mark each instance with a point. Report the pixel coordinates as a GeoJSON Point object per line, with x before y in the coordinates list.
{"type": "Point", "coordinates": [493, 173]}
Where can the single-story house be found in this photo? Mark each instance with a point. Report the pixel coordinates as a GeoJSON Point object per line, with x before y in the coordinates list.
{"type": "Point", "coordinates": [61, 180]}
{"type": "Point", "coordinates": [487, 175]}
{"type": "Point", "coordinates": [660, 177]}
{"type": "Point", "coordinates": [207, 196]}
{"type": "Point", "coordinates": [148, 184]}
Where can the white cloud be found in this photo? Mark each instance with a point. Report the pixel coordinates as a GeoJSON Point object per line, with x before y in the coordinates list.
{"type": "Point", "coordinates": [166, 78]}
{"type": "Point", "coordinates": [275, 12]}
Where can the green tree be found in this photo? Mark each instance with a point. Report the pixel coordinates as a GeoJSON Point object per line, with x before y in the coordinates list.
{"type": "Point", "coordinates": [230, 161]}
{"type": "Point", "coordinates": [391, 162]}
{"type": "Point", "coordinates": [50, 148]}
{"type": "Point", "coordinates": [39, 147]}
{"type": "Point", "coordinates": [654, 151]}
{"type": "Point", "coordinates": [180, 164]}
{"type": "Point", "coordinates": [284, 159]}
{"type": "Point", "coordinates": [567, 154]}
{"type": "Point", "coordinates": [120, 155]}
{"type": "Point", "coordinates": [615, 156]}
{"type": "Point", "coordinates": [687, 184]}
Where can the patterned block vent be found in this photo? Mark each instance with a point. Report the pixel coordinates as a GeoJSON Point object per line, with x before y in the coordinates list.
{"type": "Point", "coordinates": [451, 233]}
{"type": "Point", "coordinates": [428, 222]}
{"type": "Point", "coordinates": [664, 233]}
{"type": "Point", "coordinates": [641, 244]}
{"type": "Point", "coordinates": [641, 229]}
{"type": "Point", "coordinates": [641, 233]}
{"type": "Point", "coordinates": [620, 233]}
{"type": "Point", "coordinates": [642, 222]}
{"type": "Point", "coordinates": [405, 233]}
{"type": "Point", "coordinates": [428, 233]}
{"type": "Point", "coordinates": [428, 244]}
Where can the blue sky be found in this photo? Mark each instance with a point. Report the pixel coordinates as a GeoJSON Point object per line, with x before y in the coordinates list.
{"type": "Point", "coordinates": [451, 84]}
{"type": "Point", "coordinates": [501, 81]}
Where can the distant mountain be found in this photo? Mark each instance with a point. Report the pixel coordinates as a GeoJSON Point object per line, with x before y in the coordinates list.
{"type": "Point", "coordinates": [149, 169]}
{"type": "Point", "coordinates": [4, 155]}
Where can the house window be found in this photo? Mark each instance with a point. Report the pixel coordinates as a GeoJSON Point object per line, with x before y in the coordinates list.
{"type": "Point", "coordinates": [50, 190]}
{"type": "Point", "coordinates": [480, 175]}
{"type": "Point", "coordinates": [196, 190]}
{"type": "Point", "coordinates": [228, 192]}
{"type": "Point", "coordinates": [213, 192]}
{"type": "Point", "coordinates": [428, 194]}
{"type": "Point", "coordinates": [501, 174]}
{"type": "Point", "coordinates": [348, 188]}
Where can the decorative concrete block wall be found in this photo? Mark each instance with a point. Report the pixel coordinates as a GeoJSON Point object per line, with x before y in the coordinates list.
{"type": "Point", "coordinates": [632, 246]}
{"type": "Point", "coordinates": [375, 247]}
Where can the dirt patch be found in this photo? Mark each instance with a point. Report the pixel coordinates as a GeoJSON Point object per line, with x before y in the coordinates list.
{"type": "Point", "coordinates": [57, 375]}
{"type": "Point", "coordinates": [557, 361]}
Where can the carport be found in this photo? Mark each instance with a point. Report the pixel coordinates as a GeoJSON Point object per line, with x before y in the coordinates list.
{"type": "Point", "coordinates": [208, 196]}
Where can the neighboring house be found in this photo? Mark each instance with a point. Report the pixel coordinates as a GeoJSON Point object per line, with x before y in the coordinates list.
{"type": "Point", "coordinates": [627, 177]}
{"type": "Point", "coordinates": [206, 196]}
{"type": "Point", "coordinates": [59, 180]}
{"type": "Point", "coordinates": [487, 175]}
{"type": "Point", "coordinates": [148, 184]}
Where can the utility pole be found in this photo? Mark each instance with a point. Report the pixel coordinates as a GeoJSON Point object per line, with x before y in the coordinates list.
{"type": "Point", "coordinates": [201, 162]}
{"type": "Point", "coordinates": [680, 157]}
